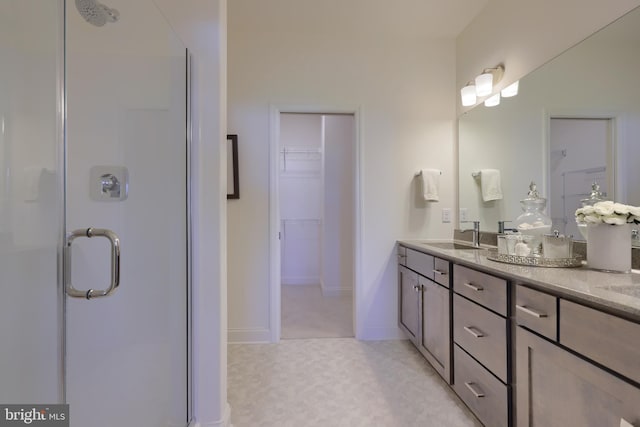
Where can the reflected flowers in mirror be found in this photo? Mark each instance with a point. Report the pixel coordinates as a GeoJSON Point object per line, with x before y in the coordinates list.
{"type": "Point", "coordinates": [608, 212]}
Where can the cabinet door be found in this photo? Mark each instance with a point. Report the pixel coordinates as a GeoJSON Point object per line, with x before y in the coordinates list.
{"type": "Point", "coordinates": [558, 389]}
{"type": "Point", "coordinates": [436, 342]}
{"type": "Point", "coordinates": [409, 291]}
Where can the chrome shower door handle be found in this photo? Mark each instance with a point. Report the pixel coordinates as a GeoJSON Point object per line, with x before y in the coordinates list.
{"type": "Point", "coordinates": [115, 263]}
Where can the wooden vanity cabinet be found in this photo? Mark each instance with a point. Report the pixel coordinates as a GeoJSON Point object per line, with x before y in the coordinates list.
{"type": "Point", "coordinates": [424, 307]}
{"type": "Point", "coordinates": [435, 340]}
{"type": "Point", "coordinates": [481, 345]}
{"type": "Point", "coordinates": [557, 382]}
{"type": "Point", "coordinates": [409, 292]}
{"type": "Point", "coordinates": [556, 388]}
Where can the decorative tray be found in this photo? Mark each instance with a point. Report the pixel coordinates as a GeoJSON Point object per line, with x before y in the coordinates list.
{"type": "Point", "coordinates": [534, 261]}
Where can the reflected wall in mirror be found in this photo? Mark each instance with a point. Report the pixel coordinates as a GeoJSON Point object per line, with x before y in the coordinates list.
{"type": "Point", "coordinates": [548, 132]}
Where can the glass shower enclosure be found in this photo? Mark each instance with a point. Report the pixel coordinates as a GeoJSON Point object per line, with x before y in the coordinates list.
{"type": "Point", "coordinates": [94, 238]}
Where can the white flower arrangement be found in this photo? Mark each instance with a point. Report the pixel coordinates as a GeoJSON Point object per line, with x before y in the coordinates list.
{"type": "Point", "coordinates": [608, 213]}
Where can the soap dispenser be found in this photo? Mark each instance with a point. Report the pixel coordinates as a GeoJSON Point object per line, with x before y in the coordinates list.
{"type": "Point", "coordinates": [533, 221]}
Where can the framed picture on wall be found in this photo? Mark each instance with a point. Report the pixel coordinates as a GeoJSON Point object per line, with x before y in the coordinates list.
{"type": "Point", "coordinates": [233, 184]}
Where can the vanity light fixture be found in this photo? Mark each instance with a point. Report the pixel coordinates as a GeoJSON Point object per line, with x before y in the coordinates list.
{"type": "Point", "coordinates": [511, 90]}
{"type": "Point", "coordinates": [492, 101]}
{"type": "Point", "coordinates": [484, 84]}
{"type": "Point", "coordinates": [486, 80]}
{"type": "Point", "coordinates": [468, 94]}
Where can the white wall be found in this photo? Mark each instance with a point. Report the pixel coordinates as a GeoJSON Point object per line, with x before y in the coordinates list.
{"type": "Point", "coordinates": [339, 204]}
{"type": "Point", "coordinates": [402, 84]}
{"type": "Point", "coordinates": [525, 34]}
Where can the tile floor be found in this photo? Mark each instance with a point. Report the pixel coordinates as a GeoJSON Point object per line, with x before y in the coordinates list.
{"type": "Point", "coordinates": [336, 382]}
{"type": "Point", "coordinates": [306, 313]}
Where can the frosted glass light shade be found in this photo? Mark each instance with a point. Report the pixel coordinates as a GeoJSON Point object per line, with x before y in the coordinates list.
{"type": "Point", "coordinates": [468, 95]}
{"type": "Point", "coordinates": [493, 101]}
{"type": "Point", "coordinates": [484, 84]}
{"type": "Point", "coordinates": [511, 90]}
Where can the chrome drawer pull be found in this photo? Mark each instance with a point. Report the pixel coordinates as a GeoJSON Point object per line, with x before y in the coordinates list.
{"type": "Point", "coordinates": [530, 311]}
{"type": "Point", "coordinates": [474, 331]}
{"type": "Point", "coordinates": [417, 288]}
{"type": "Point", "coordinates": [474, 287]}
{"type": "Point", "coordinates": [440, 273]}
{"type": "Point", "coordinates": [475, 392]}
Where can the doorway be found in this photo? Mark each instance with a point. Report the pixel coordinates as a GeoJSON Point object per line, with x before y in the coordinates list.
{"type": "Point", "coordinates": [316, 203]}
{"type": "Point", "coordinates": [580, 156]}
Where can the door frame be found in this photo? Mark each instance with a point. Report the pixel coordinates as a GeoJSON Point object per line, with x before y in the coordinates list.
{"type": "Point", "coordinates": [616, 140]}
{"type": "Point", "coordinates": [274, 210]}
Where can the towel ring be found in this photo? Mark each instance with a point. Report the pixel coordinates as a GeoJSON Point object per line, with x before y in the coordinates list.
{"type": "Point", "coordinates": [476, 174]}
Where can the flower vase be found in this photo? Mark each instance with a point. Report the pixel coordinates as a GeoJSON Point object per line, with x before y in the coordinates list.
{"type": "Point", "coordinates": [609, 247]}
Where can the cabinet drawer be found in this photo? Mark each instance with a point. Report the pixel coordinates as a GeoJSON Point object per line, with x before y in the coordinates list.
{"type": "Point", "coordinates": [482, 392]}
{"type": "Point", "coordinates": [420, 262]}
{"type": "Point", "coordinates": [441, 271]}
{"type": "Point", "coordinates": [402, 255]}
{"type": "Point", "coordinates": [482, 334]}
{"type": "Point", "coordinates": [537, 311]}
{"type": "Point", "coordinates": [482, 288]}
{"type": "Point", "coordinates": [606, 339]}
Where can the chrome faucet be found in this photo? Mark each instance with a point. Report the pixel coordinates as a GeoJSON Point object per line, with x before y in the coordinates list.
{"type": "Point", "coordinates": [476, 232]}
{"type": "Point", "coordinates": [501, 228]}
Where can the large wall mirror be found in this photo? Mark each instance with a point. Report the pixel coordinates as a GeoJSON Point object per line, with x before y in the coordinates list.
{"type": "Point", "coordinates": [575, 121]}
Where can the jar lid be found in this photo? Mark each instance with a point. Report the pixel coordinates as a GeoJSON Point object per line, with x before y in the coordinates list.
{"type": "Point", "coordinates": [533, 193]}
{"type": "Point", "coordinates": [595, 196]}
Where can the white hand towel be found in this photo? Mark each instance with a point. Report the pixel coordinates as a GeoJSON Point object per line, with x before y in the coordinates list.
{"type": "Point", "coordinates": [490, 183]}
{"type": "Point", "coordinates": [431, 184]}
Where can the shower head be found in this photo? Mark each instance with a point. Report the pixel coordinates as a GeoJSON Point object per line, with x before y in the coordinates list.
{"type": "Point", "coordinates": [96, 13]}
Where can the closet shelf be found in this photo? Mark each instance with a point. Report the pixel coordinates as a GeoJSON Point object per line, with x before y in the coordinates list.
{"type": "Point", "coordinates": [308, 159]}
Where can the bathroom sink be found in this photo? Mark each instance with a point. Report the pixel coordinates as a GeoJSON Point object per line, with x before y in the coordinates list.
{"type": "Point", "coordinates": [450, 245]}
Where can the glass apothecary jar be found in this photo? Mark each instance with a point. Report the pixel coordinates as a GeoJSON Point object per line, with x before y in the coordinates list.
{"type": "Point", "coordinates": [533, 221]}
{"type": "Point", "coordinates": [595, 197]}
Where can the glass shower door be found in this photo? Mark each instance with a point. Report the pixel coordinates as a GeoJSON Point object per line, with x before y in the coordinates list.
{"type": "Point", "coordinates": [126, 353]}
{"type": "Point", "coordinates": [30, 202]}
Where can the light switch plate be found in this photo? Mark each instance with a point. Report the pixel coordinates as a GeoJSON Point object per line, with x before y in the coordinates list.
{"type": "Point", "coordinates": [446, 215]}
{"type": "Point", "coordinates": [464, 214]}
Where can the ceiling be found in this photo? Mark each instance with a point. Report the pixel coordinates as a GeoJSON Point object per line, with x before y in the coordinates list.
{"type": "Point", "coordinates": [411, 18]}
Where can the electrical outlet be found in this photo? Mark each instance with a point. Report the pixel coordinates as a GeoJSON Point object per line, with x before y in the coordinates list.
{"type": "Point", "coordinates": [446, 215]}
{"type": "Point", "coordinates": [464, 214]}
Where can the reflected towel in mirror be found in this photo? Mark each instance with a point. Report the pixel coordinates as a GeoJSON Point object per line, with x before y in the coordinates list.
{"type": "Point", "coordinates": [490, 184]}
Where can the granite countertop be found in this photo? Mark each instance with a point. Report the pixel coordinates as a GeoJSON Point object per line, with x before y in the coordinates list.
{"type": "Point", "coordinates": [618, 293]}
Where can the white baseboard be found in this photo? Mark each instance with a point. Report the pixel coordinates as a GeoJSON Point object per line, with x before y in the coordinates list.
{"type": "Point", "coordinates": [380, 333]}
{"type": "Point", "coordinates": [300, 280]}
{"type": "Point", "coordinates": [240, 336]}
